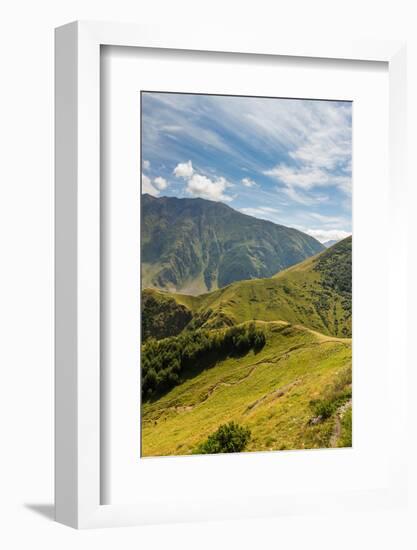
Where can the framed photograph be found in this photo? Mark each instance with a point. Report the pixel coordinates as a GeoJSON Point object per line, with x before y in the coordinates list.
{"type": "Point", "coordinates": [228, 342]}
{"type": "Point", "coordinates": [246, 322]}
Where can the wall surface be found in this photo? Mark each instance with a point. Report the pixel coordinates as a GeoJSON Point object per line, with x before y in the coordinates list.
{"type": "Point", "coordinates": [26, 274]}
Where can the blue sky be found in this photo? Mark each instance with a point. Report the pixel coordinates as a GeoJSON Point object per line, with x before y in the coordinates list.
{"type": "Point", "coordinates": [284, 160]}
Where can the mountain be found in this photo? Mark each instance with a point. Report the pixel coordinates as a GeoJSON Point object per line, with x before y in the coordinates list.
{"type": "Point", "coordinates": [195, 245]}
{"type": "Point", "coordinates": [316, 293]}
{"type": "Point", "coordinates": [328, 244]}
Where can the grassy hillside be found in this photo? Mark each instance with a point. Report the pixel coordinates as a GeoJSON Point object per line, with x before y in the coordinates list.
{"type": "Point", "coordinates": [195, 245]}
{"type": "Point", "coordinates": [272, 356]}
{"type": "Point", "coordinates": [162, 315]}
{"type": "Point", "coordinates": [294, 393]}
{"type": "Point", "coordinates": [316, 293]}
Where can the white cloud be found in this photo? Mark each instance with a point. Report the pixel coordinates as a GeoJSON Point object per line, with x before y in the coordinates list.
{"type": "Point", "coordinates": [146, 164]}
{"type": "Point", "coordinates": [160, 183]}
{"type": "Point", "coordinates": [248, 182]}
{"type": "Point", "coordinates": [147, 186]}
{"type": "Point", "coordinates": [324, 235]}
{"type": "Point", "coordinates": [206, 188]}
{"type": "Point", "coordinates": [184, 170]}
{"type": "Point", "coordinates": [153, 187]}
{"type": "Point", "coordinates": [199, 185]}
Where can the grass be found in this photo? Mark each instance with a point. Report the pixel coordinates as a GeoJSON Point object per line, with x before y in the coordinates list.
{"type": "Point", "coordinates": [295, 393]}
{"type": "Point", "coordinates": [269, 392]}
{"type": "Point", "coordinates": [301, 295]}
{"type": "Point", "coordinates": [334, 395]}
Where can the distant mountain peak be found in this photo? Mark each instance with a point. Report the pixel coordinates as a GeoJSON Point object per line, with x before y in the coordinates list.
{"type": "Point", "coordinates": [330, 243]}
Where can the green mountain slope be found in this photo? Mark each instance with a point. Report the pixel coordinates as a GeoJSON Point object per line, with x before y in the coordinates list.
{"type": "Point", "coordinates": [272, 355]}
{"type": "Point", "coordinates": [162, 315]}
{"type": "Point", "coordinates": [295, 393]}
{"type": "Point", "coordinates": [316, 293]}
{"type": "Point", "coordinates": [195, 245]}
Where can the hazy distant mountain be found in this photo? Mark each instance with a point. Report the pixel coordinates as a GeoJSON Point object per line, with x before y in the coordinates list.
{"type": "Point", "coordinates": [328, 244]}
{"type": "Point", "coordinates": [195, 245]}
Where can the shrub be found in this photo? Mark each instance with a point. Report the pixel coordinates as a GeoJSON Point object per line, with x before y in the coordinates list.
{"type": "Point", "coordinates": [228, 438]}
{"type": "Point", "coordinates": [324, 408]}
{"type": "Point", "coordinates": [333, 396]}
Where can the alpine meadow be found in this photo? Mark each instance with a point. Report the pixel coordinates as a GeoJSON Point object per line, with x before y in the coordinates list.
{"type": "Point", "coordinates": [246, 274]}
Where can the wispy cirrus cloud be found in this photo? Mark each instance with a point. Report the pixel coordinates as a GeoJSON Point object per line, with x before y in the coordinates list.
{"type": "Point", "coordinates": [328, 220]}
{"type": "Point", "coordinates": [322, 156]}
{"type": "Point", "coordinates": [307, 131]}
{"type": "Point", "coordinates": [300, 198]}
{"type": "Point", "coordinates": [285, 151]}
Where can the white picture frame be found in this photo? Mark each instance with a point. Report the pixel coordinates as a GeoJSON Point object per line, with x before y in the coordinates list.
{"type": "Point", "coordinates": [78, 410]}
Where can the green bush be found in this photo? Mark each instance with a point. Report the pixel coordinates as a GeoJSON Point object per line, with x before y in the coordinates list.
{"type": "Point", "coordinates": [228, 438]}
{"type": "Point", "coordinates": [324, 408]}
{"type": "Point", "coordinates": [333, 395]}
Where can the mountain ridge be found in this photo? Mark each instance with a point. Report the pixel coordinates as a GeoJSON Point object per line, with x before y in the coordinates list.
{"type": "Point", "coordinates": [194, 245]}
{"type": "Point", "coordinates": [315, 293]}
